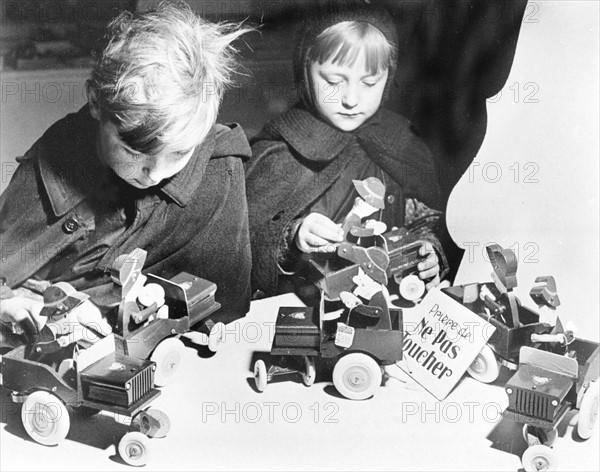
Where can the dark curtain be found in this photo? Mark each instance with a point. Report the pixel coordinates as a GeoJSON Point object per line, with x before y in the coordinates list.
{"type": "Point", "coordinates": [453, 56]}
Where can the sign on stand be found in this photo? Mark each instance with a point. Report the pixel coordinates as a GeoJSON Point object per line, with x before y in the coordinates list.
{"type": "Point", "coordinates": [443, 344]}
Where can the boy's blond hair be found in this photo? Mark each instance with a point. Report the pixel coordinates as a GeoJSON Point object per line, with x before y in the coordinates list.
{"type": "Point", "coordinates": [161, 75]}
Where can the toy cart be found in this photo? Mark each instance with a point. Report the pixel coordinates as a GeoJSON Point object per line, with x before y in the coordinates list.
{"type": "Point", "coordinates": [547, 386]}
{"type": "Point", "coordinates": [363, 344]}
{"type": "Point", "coordinates": [52, 382]}
{"type": "Point", "coordinates": [495, 303]}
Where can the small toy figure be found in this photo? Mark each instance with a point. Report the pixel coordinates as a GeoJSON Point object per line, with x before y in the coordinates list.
{"type": "Point", "coordinates": [371, 192]}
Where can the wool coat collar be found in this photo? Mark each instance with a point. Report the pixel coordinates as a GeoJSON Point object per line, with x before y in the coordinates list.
{"type": "Point", "coordinates": [73, 173]}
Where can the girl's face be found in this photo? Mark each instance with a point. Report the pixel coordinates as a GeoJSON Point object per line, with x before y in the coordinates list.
{"type": "Point", "coordinates": [346, 96]}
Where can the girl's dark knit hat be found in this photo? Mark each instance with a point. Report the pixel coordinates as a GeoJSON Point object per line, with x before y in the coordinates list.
{"type": "Point", "coordinates": [318, 19]}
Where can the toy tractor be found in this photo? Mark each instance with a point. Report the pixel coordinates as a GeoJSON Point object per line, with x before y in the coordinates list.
{"type": "Point", "coordinates": [370, 337]}
{"type": "Point", "coordinates": [152, 317]}
{"type": "Point", "coordinates": [55, 376]}
{"type": "Point", "coordinates": [496, 303]}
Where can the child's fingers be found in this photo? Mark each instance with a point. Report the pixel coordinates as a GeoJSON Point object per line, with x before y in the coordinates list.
{"type": "Point", "coordinates": [323, 227]}
{"type": "Point", "coordinates": [429, 273]}
{"type": "Point", "coordinates": [432, 283]}
{"type": "Point", "coordinates": [426, 249]}
{"type": "Point", "coordinates": [428, 263]}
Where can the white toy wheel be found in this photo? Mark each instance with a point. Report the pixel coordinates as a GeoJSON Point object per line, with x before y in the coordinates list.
{"type": "Point", "coordinates": [45, 418]}
{"type": "Point", "coordinates": [310, 373]}
{"type": "Point", "coordinates": [549, 440]}
{"type": "Point", "coordinates": [411, 288]}
{"type": "Point", "coordinates": [167, 355]}
{"type": "Point", "coordinates": [216, 336]}
{"type": "Point", "coordinates": [485, 367]}
{"type": "Point", "coordinates": [588, 412]}
{"type": "Point", "coordinates": [134, 448]}
{"type": "Point", "coordinates": [356, 376]}
{"type": "Point", "coordinates": [537, 458]}
{"type": "Point", "coordinates": [260, 375]}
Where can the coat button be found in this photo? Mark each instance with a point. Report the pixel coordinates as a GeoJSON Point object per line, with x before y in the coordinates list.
{"type": "Point", "coordinates": [70, 225]}
{"type": "Point", "coordinates": [391, 199]}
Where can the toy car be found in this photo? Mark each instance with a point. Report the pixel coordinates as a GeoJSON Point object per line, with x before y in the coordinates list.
{"type": "Point", "coordinates": [496, 303]}
{"type": "Point", "coordinates": [370, 337]}
{"type": "Point", "coordinates": [55, 379]}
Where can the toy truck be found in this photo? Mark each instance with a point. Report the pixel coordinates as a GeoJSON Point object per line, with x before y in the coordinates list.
{"type": "Point", "coordinates": [393, 254]}
{"type": "Point", "coordinates": [549, 384]}
{"type": "Point", "coordinates": [496, 303]}
{"type": "Point", "coordinates": [370, 338]}
{"type": "Point", "coordinates": [152, 317]}
{"type": "Point", "coordinates": [53, 380]}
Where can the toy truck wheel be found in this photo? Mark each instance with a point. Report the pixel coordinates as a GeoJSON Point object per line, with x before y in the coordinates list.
{"type": "Point", "coordinates": [485, 367]}
{"type": "Point", "coordinates": [356, 376]}
{"type": "Point", "coordinates": [45, 418]}
{"type": "Point", "coordinates": [310, 373]}
{"type": "Point", "coordinates": [134, 448]}
{"type": "Point", "coordinates": [260, 375]}
{"type": "Point", "coordinates": [167, 355]}
{"type": "Point", "coordinates": [547, 437]}
{"type": "Point", "coordinates": [216, 336]}
{"type": "Point", "coordinates": [152, 422]}
{"type": "Point", "coordinates": [588, 412]}
{"type": "Point", "coordinates": [537, 458]}
{"type": "Point", "coordinates": [411, 288]}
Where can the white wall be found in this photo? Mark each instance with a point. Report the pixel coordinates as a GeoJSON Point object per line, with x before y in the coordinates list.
{"type": "Point", "coordinates": [549, 133]}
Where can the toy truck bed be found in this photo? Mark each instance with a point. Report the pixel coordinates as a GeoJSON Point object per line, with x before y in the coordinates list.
{"type": "Point", "coordinates": [190, 300]}
{"type": "Point", "coordinates": [506, 340]}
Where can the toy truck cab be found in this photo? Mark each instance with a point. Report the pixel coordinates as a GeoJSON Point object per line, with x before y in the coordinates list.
{"type": "Point", "coordinates": [547, 386]}
{"type": "Point", "coordinates": [358, 346]}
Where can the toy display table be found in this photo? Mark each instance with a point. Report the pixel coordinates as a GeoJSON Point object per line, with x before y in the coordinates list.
{"type": "Point", "coordinates": [220, 422]}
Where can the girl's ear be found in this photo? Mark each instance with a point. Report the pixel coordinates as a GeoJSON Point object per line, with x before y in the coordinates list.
{"type": "Point", "coordinates": [93, 102]}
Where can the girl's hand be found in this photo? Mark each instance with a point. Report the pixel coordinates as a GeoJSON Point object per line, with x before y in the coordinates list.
{"type": "Point", "coordinates": [429, 268]}
{"type": "Point", "coordinates": [317, 233]}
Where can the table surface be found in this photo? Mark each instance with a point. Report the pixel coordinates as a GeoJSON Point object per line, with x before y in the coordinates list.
{"type": "Point", "coordinates": [220, 422]}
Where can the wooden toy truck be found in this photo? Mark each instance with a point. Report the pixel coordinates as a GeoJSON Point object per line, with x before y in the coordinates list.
{"type": "Point", "coordinates": [360, 346]}
{"type": "Point", "coordinates": [54, 384]}
{"type": "Point", "coordinates": [547, 386]}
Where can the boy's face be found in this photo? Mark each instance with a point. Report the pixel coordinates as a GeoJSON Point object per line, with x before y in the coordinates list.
{"type": "Point", "coordinates": [139, 170]}
{"type": "Point", "coordinates": [346, 96]}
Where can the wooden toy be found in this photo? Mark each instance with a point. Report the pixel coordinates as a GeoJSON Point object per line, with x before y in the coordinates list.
{"type": "Point", "coordinates": [369, 337]}
{"type": "Point", "coordinates": [556, 372]}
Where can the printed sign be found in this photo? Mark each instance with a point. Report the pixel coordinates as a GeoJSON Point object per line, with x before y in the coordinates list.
{"type": "Point", "coordinates": [344, 336]}
{"type": "Point", "coordinates": [443, 344]}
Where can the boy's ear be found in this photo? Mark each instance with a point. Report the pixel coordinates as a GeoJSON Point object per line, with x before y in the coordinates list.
{"type": "Point", "coordinates": [93, 102]}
